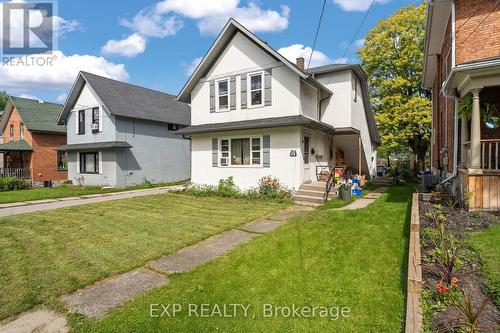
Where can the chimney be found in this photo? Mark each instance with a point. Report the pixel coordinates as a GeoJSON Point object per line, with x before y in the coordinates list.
{"type": "Point", "coordinates": [300, 63]}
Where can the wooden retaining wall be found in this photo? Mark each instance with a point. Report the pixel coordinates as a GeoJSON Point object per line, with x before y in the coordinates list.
{"type": "Point", "coordinates": [414, 284]}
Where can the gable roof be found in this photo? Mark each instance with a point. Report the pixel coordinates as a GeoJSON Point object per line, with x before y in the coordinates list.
{"type": "Point", "coordinates": [218, 46]}
{"type": "Point", "coordinates": [360, 74]}
{"type": "Point", "coordinates": [128, 100]}
{"type": "Point", "coordinates": [37, 116]}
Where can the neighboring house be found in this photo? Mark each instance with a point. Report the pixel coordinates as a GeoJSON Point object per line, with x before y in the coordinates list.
{"type": "Point", "coordinates": [254, 113]}
{"type": "Point", "coordinates": [121, 134]}
{"type": "Point", "coordinates": [31, 136]}
{"type": "Point", "coordinates": [462, 63]}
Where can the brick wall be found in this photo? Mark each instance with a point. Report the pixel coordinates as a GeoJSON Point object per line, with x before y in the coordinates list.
{"type": "Point", "coordinates": [15, 120]}
{"type": "Point", "coordinates": [485, 41]}
{"type": "Point", "coordinates": [44, 157]}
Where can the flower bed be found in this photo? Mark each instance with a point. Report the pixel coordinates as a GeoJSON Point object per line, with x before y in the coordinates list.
{"type": "Point", "coordinates": [453, 296]}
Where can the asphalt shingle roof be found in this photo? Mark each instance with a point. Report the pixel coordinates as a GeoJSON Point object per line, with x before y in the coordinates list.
{"type": "Point", "coordinates": [38, 116]}
{"type": "Point", "coordinates": [127, 100]}
{"type": "Point", "coordinates": [18, 145]}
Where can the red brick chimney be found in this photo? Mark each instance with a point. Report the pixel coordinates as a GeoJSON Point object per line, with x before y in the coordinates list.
{"type": "Point", "coordinates": [300, 63]}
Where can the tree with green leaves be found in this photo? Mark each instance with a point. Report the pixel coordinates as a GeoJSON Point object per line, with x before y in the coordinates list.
{"type": "Point", "coordinates": [3, 99]}
{"type": "Point", "coordinates": [392, 57]}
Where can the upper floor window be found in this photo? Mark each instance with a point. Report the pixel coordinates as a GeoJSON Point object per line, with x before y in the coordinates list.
{"type": "Point", "coordinates": [223, 95]}
{"type": "Point", "coordinates": [256, 94]}
{"type": "Point", "coordinates": [81, 122]}
{"type": "Point", "coordinates": [11, 132]}
{"type": "Point", "coordinates": [21, 131]}
{"type": "Point", "coordinates": [95, 120]}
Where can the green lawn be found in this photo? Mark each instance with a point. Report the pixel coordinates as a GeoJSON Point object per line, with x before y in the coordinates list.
{"type": "Point", "coordinates": [487, 243]}
{"type": "Point", "coordinates": [46, 254]}
{"type": "Point", "coordinates": [354, 259]}
{"type": "Point", "coordinates": [61, 192]}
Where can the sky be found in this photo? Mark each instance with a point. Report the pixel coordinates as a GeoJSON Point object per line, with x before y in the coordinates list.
{"type": "Point", "coordinates": [157, 44]}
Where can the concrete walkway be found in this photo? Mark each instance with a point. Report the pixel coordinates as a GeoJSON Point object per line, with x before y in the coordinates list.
{"type": "Point", "coordinates": [364, 201]}
{"type": "Point", "coordinates": [96, 300]}
{"type": "Point", "coordinates": [41, 205]}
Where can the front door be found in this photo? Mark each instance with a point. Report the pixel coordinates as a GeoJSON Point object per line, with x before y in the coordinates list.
{"type": "Point", "coordinates": [306, 149]}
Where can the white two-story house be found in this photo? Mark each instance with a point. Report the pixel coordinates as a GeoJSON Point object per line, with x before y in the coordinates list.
{"type": "Point", "coordinates": [119, 134]}
{"type": "Point", "coordinates": [254, 113]}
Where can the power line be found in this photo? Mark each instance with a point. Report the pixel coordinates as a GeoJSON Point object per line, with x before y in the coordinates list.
{"type": "Point", "coordinates": [480, 23]}
{"type": "Point", "coordinates": [317, 33]}
{"type": "Point", "coordinates": [357, 31]}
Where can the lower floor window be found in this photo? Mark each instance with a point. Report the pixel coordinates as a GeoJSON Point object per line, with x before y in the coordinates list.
{"type": "Point", "coordinates": [62, 160]}
{"type": "Point", "coordinates": [240, 151]}
{"type": "Point", "coordinates": [89, 162]}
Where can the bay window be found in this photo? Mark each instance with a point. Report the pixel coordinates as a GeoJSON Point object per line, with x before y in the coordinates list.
{"type": "Point", "coordinates": [223, 95]}
{"type": "Point", "coordinates": [240, 151]}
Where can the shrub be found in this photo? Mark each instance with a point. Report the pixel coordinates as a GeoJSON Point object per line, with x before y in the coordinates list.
{"type": "Point", "coordinates": [12, 183]}
{"type": "Point", "coordinates": [268, 188]}
{"type": "Point", "coordinates": [147, 184]}
{"type": "Point", "coordinates": [227, 188]}
{"type": "Point", "coordinates": [271, 188]}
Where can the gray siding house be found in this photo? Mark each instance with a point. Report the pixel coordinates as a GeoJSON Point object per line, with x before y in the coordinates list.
{"type": "Point", "coordinates": [120, 134]}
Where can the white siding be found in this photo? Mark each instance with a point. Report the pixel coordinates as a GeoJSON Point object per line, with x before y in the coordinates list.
{"type": "Point", "coordinates": [241, 56]}
{"type": "Point", "coordinates": [288, 169]}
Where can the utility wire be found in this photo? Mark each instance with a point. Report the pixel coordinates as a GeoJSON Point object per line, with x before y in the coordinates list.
{"type": "Point", "coordinates": [356, 34]}
{"type": "Point", "coordinates": [480, 23]}
{"type": "Point", "coordinates": [317, 33]}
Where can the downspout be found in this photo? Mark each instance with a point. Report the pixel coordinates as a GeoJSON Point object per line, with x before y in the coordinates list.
{"type": "Point", "coordinates": [455, 139]}
{"type": "Point", "coordinates": [455, 99]}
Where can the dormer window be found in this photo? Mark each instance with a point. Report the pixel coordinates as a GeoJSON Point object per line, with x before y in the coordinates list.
{"type": "Point", "coordinates": [255, 82]}
{"type": "Point", "coordinates": [21, 131]}
{"type": "Point", "coordinates": [223, 95]}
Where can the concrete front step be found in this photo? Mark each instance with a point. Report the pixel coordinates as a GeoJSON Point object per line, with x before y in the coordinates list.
{"type": "Point", "coordinates": [308, 198]}
{"type": "Point", "coordinates": [311, 193]}
{"type": "Point", "coordinates": [317, 186]}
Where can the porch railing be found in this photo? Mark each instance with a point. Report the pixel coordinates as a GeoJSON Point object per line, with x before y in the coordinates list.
{"type": "Point", "coordinates": [489, 154]}
{"type": "Point", "coordinates": [22, 173]}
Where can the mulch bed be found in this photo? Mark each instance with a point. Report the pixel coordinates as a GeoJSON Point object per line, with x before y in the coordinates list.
{"type": "Point", "coordinates": [461, 224]}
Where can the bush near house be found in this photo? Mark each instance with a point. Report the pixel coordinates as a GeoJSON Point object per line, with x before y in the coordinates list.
{"type": "Point", "coordinates": [267, 188]}
{"type": "Point", "coordinates": [12, 183]}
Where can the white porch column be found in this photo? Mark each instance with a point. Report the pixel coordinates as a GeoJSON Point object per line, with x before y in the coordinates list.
{"type": "Point", "coordinates": [475, 139]}
{"type": "Point", "coordinates": [464, 129]}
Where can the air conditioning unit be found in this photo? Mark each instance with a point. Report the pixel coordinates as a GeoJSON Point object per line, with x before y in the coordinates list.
{"type": "Point", "coordinates": [95, 127]}
{"type": "Point", "coordinates": [224, 161]}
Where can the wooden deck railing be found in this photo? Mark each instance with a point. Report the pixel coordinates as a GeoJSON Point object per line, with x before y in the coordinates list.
{"type": "Point", "coordinates": [489, 154]}
{"type": "Point", "coordinates": [22, 173]}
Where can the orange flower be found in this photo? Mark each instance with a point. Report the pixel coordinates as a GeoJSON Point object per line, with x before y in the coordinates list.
{"type": "Point", "coordinates": [441, 288]}
{"type": "Point", "coordinates": [454, 281]}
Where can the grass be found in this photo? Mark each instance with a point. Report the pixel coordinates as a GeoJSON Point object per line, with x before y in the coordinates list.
{"type": "Point", "coordinates": [63, 191]}
{"type": "Point", "coordinates": [46, 254]}
{"type": "Point", "coordinates": [487, 244]}
{"type": "Point", "coordinates": [354, 259]}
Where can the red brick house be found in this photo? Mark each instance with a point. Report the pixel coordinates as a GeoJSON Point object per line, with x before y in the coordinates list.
{"type": "Point", "coordinates": [30, 137]}
{"type": "Point", "coordinates": [462, 67]}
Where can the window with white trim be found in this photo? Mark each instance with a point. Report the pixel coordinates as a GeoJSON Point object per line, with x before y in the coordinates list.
{"type": "Point", "coordinates": [241, 151]}
{"type": "Point", "coordinates": [222, 88]}
{"type": "Point", "coordinates": [256, 89]}
{"type": "Point", "coordinates": [95, 120]}
{"type": "Point", "coordinates": [89, 162]}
